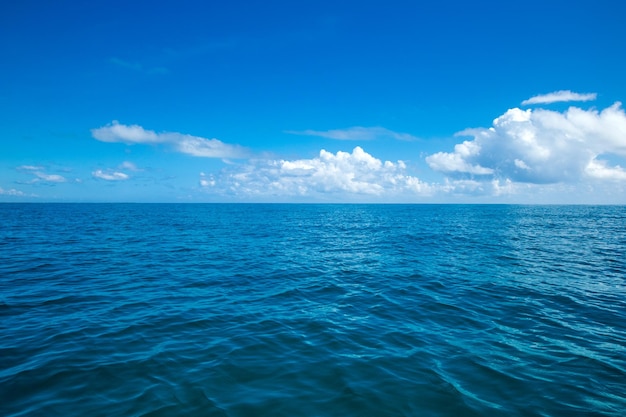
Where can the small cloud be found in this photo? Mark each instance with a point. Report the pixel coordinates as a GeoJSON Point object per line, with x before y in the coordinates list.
{"type": "Point", "coordinates": [207, 148]}
{"type": "Point", "coordinates": [521, 164]}
{"type": "Point", "coordinates": [12, 192]}
{"type": "Point", "coordinates": [116, 132]}
{"type": "Point", "coordinates": [40, 176]}
{"type": "Point", "coordinates": [110, 176]}
{"type": "Point", "coordinates": [30, 168]}
{"type": "Point", "coordinates": [356, 133]}
{"type": "Point", "coordinates": [136, 66]}
{"type": "Point", "coordinates": [187, 144]}
{"type": "Point", "coordinates": [559, 96]}
{"type": "Point", "coordinates": [126, 64]}
{"type": "Point", "coordinates": [206, 182]}
{"type": "Point", "coordinates": [129, 166]}
{"type": "Point", "coordinates": [50, 177]}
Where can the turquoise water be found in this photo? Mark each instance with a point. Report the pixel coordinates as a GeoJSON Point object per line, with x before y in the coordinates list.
{"type": "Point", "coordinates": [312, 310]}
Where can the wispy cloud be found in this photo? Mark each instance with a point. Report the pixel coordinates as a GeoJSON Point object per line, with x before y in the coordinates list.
{"type": "Point", "coordinates": [187, 144]}
{"type": "Point", "coordinates": [30, 168]}
{"type": "Point", "coordinates": [541, 147]}
{"type": "Point", "coordinates": [136, 66]}
{"type": "Point", "coordinates": [356, 133]}
{"type": "Point", "coordinates": [559, 96]}
{"type": "Point", "coordinates": [127, 165]}
{"type": "Point", "coordinates": [126, 64]}
{"type": "Point", "coordinates": [50, 177]}
{"type": "Point", "coordinates": [110, 175]}
{"type": "Point", "coordinates": [116, 174]}
{"type": "Point", "coordinates": [40, 175]}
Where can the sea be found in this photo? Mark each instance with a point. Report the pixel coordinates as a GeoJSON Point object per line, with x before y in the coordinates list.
{"type": "Point", "coordinates": [312, 310]}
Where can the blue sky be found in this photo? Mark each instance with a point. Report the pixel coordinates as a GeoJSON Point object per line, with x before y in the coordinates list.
{"type": "Point", "coordinates": [313, 101]}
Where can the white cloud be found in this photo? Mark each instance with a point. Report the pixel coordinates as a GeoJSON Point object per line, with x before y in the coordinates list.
{"type": "Point", "coordinates": [340, 176]}
{"type": "Point", "coordinates": [598, 169]}
{"type": "Point", "coordinates": [129, 166]}
{"type": "Point", "coordinates": [30, 168]}
{"type": "Point", "coordinates": [208, 148]}
{"type": "Point", "coordinates": [540, 146]}
{"type": "Point", "coordinates": [116, 132]}
{"type": "Point", "coordinates": [559, 96]}
{"type": "Point", "coordinates": [40, 176]}
{"type": "Point", "coordinates": [110, 175]}
{"type": "Point", "coordinates": [50, 177]}
{"type": "Point", "coordinates": [206, 182]}
{"type": "Point", "coordinates": [457, 161]}
{"type": "Point", "coordinates": [187, 144]}
{"type": "Point", "coordinates": [521, 164]}
{"type": "Point", "coordinates": [356, 133]}
{"type": "Point", "coordinates": [12, 192]}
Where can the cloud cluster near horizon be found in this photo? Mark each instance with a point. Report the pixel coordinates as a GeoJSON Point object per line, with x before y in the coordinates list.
{"type": "Point", "coordinates": [342, 174]}
{"type": "Point", "coordinates": [187, 144]}
{"type": "Point", "coordinates": [12, 192]}
{"type": "Point", "coordinates": [523, 150]}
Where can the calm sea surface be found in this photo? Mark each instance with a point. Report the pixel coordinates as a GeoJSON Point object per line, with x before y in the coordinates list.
{"type": "Point", "coordinates": [312, 310]}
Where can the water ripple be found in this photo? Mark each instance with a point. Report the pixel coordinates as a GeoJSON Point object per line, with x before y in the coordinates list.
{"type": "Point", "coordinates": [286, 310]}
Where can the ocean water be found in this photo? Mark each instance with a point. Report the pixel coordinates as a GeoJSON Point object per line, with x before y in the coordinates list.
{"type": "Point", "coordinates": [312, 310]}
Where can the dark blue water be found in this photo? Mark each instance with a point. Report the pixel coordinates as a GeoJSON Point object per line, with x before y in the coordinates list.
{"type": "Point", "coordinates": [312, 310]}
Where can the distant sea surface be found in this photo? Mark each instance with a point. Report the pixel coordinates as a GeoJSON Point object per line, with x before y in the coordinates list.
{"type": "Point", "coordinates": [312, 310]}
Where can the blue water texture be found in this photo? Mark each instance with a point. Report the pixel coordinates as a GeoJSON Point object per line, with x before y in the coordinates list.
{"type": "Point", "coordinates": [312, 310]}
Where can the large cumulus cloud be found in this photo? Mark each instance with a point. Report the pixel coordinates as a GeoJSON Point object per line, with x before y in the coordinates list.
{"type": "Point", "coordinates": [540, 146]}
